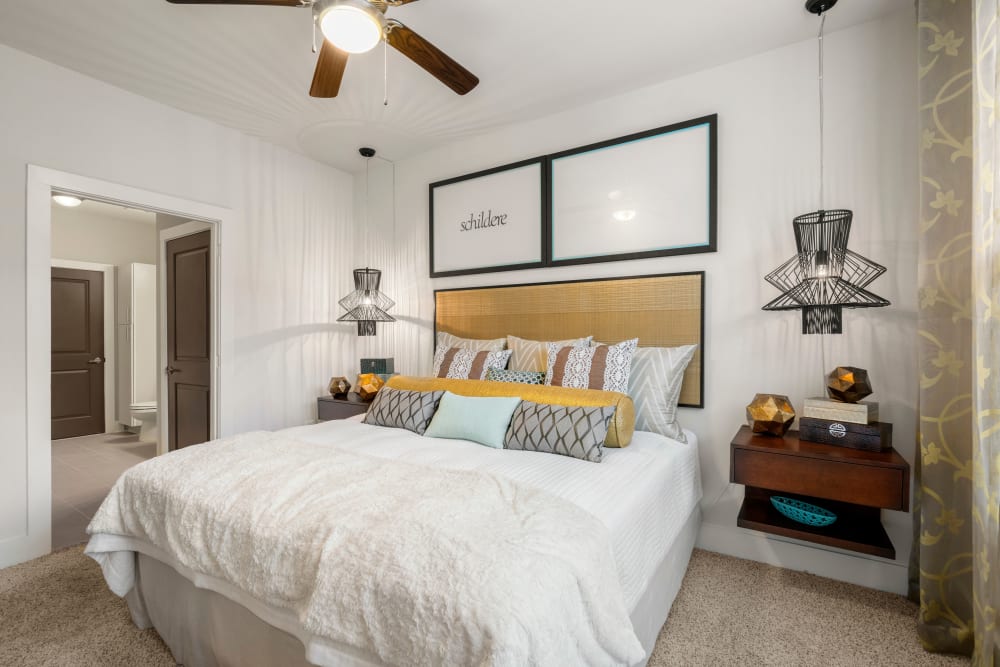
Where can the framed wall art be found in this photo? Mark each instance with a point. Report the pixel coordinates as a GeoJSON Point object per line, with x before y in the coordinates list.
{"type": "Point", "coordinates": [491, 220]}
{"type": "Point", "coordinates": [648, 194]}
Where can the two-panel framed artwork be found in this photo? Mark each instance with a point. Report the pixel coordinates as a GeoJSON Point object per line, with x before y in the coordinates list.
{"type": "Point", "coordinates": [649, 194]}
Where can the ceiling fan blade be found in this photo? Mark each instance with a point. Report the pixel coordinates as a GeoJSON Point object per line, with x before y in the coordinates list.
{"type": "Point", "coordinates": [277, 3]}
{"type": "Point", "coordinates": [431, 58]}
{"type": "Point", "coordinates": [329, 71]}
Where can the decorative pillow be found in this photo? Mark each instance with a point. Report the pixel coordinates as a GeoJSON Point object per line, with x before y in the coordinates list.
{"type": "Point", "coordinates": [575, 431]}
{"type": "Point", "coordinates": [399, 408]}
{"type": "Point", "coordinates": [445, 341]}
{"type": "Point", "coordinates": [531, 355]}
{"type": "Point", "coordinates": [655, 386]}
{"type": "Point", "coordinates": [523, 377]}
{"type": "Point", "coordinates": [600, 367]}
{"type": "Point", "coordinates": [459, 364]}
{"type": "Point", "coordinates": [622, 424]}
{"type": "Point", "coordinates": [480, 419]}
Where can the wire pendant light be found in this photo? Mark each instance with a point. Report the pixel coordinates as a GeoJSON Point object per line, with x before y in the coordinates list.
{"type": "Point", "coordinates": [366, 305]}
{"type": "Point", "coordinates": [824, 277]}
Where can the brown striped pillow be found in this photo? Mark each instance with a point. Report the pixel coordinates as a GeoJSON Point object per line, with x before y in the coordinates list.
{"type": "Point", "coordinates": [605, 367]}
{"type": "Point", "coordinates": [531, 355]}
{"type": "Point", "coordinates": [460, 364]}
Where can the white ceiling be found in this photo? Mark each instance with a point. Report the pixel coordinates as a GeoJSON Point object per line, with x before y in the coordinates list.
{"type": "Point", "coordinates": [250, 67]}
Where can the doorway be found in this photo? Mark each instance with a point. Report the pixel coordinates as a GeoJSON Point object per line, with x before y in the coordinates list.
{"type": "Point", "coordinates": [36, 539]}
{"type": "Point", "coordinates": [104, 353]}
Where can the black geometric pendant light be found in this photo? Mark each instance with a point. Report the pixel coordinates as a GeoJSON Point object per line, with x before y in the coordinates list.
{"type": "Point", "coordinates": [824, 277]}
{"type": "Point", "coordinates": [366, 305]}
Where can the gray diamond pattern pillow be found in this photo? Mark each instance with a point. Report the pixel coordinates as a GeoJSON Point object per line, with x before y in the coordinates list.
{"type": "Point", "coordinates": [568, 430]}
{"type": "Point", "coordinates": [399, 408]}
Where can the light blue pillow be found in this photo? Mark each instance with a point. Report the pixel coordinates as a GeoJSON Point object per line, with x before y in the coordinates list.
{"type": "Point", "coordinates": [480, 419]}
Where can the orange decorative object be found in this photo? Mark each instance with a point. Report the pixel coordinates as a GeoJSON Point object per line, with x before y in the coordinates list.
{"type": "Point", "coordinates": [770, 413]}
{"type": "Point", "coordinates": [848, 384]}
{"type": "Point", "coordinates": [368, 385]}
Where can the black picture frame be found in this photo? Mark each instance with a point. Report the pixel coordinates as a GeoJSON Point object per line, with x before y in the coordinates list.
{"type": "Point", "coordinates": [546, 231]}
{"type": "Point", "coordinates": [711, 243]}
{"type": "Point", "coordinates": [543, 207]}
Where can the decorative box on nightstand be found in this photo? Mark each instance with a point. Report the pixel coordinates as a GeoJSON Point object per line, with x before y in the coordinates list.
{"type": "Point", "coordinates": [328, 407]}
{"type": "Point", "coordinates": [854, 484]}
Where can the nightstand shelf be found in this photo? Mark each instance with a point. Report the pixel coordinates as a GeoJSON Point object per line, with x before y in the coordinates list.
{"type": "Point", "coordinates": [329, 408]}
{"type": "Point", "coordinates": [854, 484]}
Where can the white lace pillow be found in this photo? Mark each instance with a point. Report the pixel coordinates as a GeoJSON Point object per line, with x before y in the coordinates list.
{"type": "Point", "coordinates": [446, 341]}
{"type": "Point", "coordinates": [605, 367]}
{"type": "Point", "coordinates": [459, 364]}
{"type": "Point", "coordinates": [655, 387]}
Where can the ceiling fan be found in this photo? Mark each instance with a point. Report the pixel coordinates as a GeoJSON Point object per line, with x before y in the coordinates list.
{"type": "Point", "coordinates": [357, 26]}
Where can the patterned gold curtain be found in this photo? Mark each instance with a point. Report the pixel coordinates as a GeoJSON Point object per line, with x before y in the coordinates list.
{"type": "Point", "coordinates": [986, 335]}
{"type": "Point", "coordinates": [956, 564]}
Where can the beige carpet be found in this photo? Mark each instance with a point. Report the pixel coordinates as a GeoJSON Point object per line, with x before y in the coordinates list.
{"type": "Point", "coordinates": [56, 610]}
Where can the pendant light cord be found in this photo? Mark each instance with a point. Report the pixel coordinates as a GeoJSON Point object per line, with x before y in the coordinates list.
{"type": "Point", "coordinates": [368, 230]}
{"type": "Point", "coordinates": [822, 24]}
{"type": "Point", "coordinates": [385, 71]}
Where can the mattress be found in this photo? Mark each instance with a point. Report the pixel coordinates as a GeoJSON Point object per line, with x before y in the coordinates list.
{"type": "Point", "coordinates": [645, 495]}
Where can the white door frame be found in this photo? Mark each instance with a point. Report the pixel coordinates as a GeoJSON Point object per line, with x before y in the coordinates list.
{"type": "Point", "coordinates": [110, 348]}
{"type": "Point", "coordinates": [37, 537]}
{"type": "Point", "coordinates": [163, 403]}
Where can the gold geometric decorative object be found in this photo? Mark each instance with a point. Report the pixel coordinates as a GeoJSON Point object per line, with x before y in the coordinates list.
{"type": "Point", "coordinates": [848, 384]}
{"type": "Point", "coordinates": [339, 386]}
{"type": "Point", "coordinates": [368, 385]}
{"type": "Point", "coordinates": [770, 413]}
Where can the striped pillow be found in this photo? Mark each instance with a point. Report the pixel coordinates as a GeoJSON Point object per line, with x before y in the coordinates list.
{"type": "Point", "coordinates": [531, 355]}
{"type": "Point", "coordinates": [447, 341]}
{"type": "Point", "coordinates": [459, 364]}
{"type": "Point", "coordinates": [605, 367]}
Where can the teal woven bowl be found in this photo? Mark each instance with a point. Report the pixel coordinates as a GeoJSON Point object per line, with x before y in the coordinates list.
{"type": "Point", "coordinates": [806, 513]}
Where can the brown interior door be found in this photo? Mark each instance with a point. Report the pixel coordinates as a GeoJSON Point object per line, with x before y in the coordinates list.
{"type": "Point", "coordinates": [189, 339]}
{"type": "Point", "coordinates": [77, 353]}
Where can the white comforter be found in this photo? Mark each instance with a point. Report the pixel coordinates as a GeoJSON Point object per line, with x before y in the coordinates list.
{"type": "Point", "coordinates": [415, 564]}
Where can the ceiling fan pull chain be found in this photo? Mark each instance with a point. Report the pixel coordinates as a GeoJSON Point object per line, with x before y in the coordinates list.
{"type": "Point", "coordinates": [385, 70]}
{"type": "Point", "coordinates": [314, 34]}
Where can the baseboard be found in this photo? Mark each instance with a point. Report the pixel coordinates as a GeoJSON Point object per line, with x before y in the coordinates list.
{"type": "Point", "coordinates": [859, 569]}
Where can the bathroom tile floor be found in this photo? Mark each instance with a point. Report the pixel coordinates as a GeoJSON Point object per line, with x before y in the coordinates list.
{"type": "Point", "coordinates": [83, 471]}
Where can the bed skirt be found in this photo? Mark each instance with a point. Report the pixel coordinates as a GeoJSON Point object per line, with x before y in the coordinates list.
{"type": "Point", "coordinates": [203, 628]}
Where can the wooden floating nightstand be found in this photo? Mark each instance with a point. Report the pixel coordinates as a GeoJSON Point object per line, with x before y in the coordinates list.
{"type": "Point", "coordinates": [854, 484]}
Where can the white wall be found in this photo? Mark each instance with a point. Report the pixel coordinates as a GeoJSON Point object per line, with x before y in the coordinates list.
{"type": "Point", "coordinates": [87, 236]}
{"type": "Point", "coordinates": [291, 235]}
{"type": "Point", "coordinates": [768, 173]}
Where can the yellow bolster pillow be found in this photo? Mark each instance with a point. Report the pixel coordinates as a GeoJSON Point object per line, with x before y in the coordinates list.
{"type": "Point", "coordinates": [619, 430]}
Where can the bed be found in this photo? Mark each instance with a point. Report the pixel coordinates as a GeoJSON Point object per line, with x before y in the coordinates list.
{"type": "Point", "coordinates": [214, 603]}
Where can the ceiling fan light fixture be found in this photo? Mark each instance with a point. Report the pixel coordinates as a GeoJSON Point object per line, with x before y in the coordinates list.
{"type": "Point", "coordinates": [354, 26]}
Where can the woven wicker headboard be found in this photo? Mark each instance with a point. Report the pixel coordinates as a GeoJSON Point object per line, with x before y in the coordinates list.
{"type": "Point", "coordinates": [662, 311]}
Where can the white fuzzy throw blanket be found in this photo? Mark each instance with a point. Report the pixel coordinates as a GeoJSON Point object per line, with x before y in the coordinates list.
{"type": "Point", "coordinates": [417, 565]}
